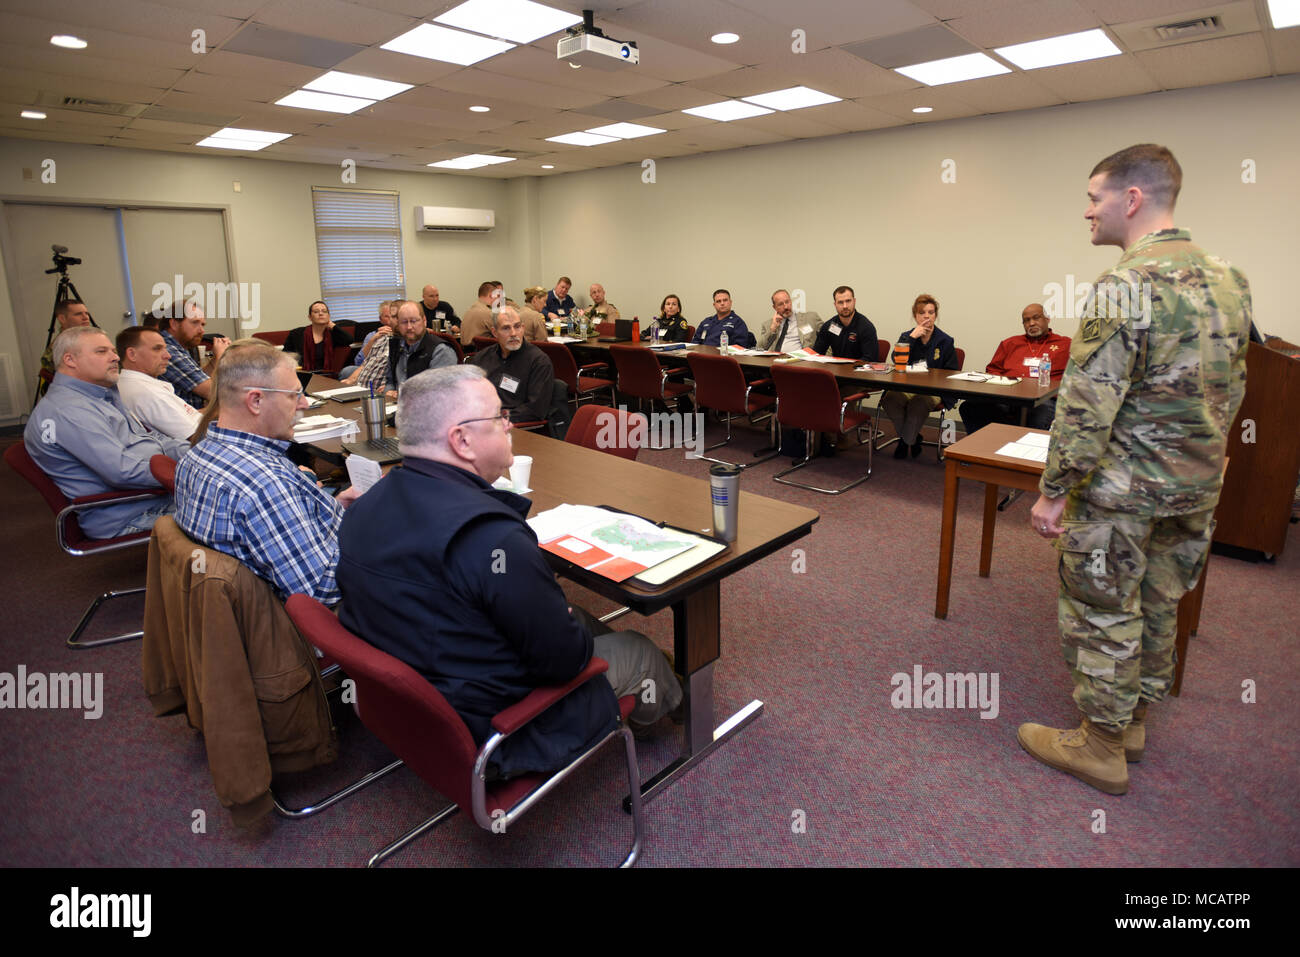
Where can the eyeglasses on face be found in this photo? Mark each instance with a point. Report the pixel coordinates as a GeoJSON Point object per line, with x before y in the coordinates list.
{"type": "Point", "coordinates": [296, 393]}
{"type": "Point", "coordinates": [503, 415]}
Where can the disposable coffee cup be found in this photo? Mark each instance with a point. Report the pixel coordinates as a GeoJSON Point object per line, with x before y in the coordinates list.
{"type": "Point", "coordinates": [521, 471]}
{"type": "Point", "coordinates": [724, 490]}
{"type": "Point", "coordinates": [372, 411]}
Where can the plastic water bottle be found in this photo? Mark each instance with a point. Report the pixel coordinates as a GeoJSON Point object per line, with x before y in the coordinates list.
{"type": "Point", "coordinates": [1044, 373]}
{"type": "Point", "coordinates": [722, 341]}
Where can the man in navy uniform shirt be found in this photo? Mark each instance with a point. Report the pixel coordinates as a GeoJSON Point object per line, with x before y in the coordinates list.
{"type": "Point", "coordinates": [710, 330]}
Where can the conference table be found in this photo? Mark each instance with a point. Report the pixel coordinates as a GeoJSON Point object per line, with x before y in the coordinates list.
{"type": "Point", "coordinates": [1023, 395]}
{"type": "Point", "coordinates": [977, 458]}
{"type": "Point", "coordinates": [566, 473]}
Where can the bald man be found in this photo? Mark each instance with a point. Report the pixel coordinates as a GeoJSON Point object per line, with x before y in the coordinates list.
{"type": "Point", "coordinates": [1011, 360]}
{"type": "Point", "coordinates": [437, 309]}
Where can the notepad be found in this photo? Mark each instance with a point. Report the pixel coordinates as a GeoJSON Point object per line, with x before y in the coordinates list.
{"type": "Point", "coordinates": [1031, 446]}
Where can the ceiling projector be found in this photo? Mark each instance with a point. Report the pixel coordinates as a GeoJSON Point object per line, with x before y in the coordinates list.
{"type": "Point", "coordinates": [587, 45]}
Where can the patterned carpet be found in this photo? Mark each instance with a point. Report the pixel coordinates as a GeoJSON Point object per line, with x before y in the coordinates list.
{"type": "Point", "coordinates": [831, 774]}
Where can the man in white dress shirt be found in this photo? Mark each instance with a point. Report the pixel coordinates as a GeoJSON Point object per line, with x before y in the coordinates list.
{"type": "Point", "coordinates": [152, 400]}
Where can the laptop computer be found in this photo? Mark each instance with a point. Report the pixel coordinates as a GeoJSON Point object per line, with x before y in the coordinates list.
{"type": "Point", "coordinates": [622, 332]}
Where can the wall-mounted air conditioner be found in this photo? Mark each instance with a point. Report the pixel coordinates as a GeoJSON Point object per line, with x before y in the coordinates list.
{"type": "Point", "coordinates": [451, 217]}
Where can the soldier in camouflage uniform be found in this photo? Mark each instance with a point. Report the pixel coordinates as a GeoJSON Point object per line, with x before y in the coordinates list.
{"type": "Point", "coordinates": [1156, 375]}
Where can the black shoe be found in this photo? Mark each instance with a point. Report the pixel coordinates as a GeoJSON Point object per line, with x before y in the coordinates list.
{"type": "Point", "coordinates": [916, 449]}
{"type": "Point", "coordinates": [827, 448]}
{"type": "Point", "coordinates": [900, 450]}
{"type": "Point", "coordinates": [686, 406]}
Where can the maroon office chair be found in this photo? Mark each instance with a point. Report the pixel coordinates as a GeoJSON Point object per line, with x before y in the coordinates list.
{"type": "Point", "coordinates": [482, 342]}
{"type": "Point", "coordinates": [276, 338]}
{"type": "Point", "coordinates": [883, 348]}
{"type": "Point", "coordinates": [591, 420]}
{"type": "Point", "coordinates": [570, 373]}
{"type": "Point", "coordinates": [454, 341]}
{"type": "Point", "coordinates": [720, 385]}
{"type": "Point", "coordinates": [164, 472]}
{"type": "Point", "coordinates": [76, 542]}
{"type": "Point", "coordinates": [944, 414]}
{"type": "Point", "coordinates": [641, 376]}
{"type": "Point", "coordinates": [415, 721]}
{"type": "Point", "coordinates": [809, 399]}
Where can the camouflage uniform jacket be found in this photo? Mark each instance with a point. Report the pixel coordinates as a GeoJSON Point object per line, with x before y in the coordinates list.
{"type": "Point", "coordinates": [1156, 375]}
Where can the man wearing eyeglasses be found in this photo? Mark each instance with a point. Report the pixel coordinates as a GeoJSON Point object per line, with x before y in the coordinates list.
{"type": "Point", "coordinates": [417, 350]}
{"type": "Point", "coordinates": [239, 494]}
{"type": "Point", "coordinates": [440, 570]}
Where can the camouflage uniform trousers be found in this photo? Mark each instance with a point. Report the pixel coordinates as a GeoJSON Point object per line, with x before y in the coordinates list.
{"type": "Point", "coordinates": [1122, 576]}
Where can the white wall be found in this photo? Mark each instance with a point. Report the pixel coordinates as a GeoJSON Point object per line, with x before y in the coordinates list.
{"type": "Point", "coordinates": [870, 210]}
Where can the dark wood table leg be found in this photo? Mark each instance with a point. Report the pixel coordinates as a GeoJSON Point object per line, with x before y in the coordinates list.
{"type": "Point", "coordinates": [947, 534]}
{"type": "Point", "coordinates": [1189, 617]}
{"type": "Point", "coordinates": [990, 523]}
{"type": "Point", "coordinates": [697, 644]}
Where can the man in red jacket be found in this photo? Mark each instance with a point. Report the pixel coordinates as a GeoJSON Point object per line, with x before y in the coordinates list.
{"type": "Point", "coordinates": [1010, 361]}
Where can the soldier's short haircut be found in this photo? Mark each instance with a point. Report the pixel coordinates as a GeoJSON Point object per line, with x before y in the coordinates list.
{"type": "Point", "coordinates": [65, 307]}
{"type": "Point", "coordinates": [129, 338]}
{"type": "Point", "coordinates": [242, 366]}
{"type": "Point", "coordinates": [429, 403]}
{"type": "Point", "coordinates": [485, 289]}
{"type": "Point", "coordinates": [71, 341]}
{"type": "Point", "coordinates": [924, 299]}
{"type": "Point", "coordinates": [1149, 166]}
{"type": "Point", "coordinates": [840, 289]}
{"type": "Point", "coordinates": [725, 292]}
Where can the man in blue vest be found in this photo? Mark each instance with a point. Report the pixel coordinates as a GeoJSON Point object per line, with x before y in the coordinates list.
{"type": "Point", "coordinates": [440, 570]}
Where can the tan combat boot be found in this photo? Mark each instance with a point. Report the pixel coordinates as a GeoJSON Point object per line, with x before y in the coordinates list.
{"type": "Point", "coordinates": [1135, 735]}
{"type": "Point", "coordinates": [1092, 754]}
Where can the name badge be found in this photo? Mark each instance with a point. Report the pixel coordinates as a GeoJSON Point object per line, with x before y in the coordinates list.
{"type": "Point", "coordinates": [836, 328]}
{"type": "Point", "coordinates": [805, 330]}
{"type": "Point", "coordinates": [509, 383]}
{"type": "Point", "coordinates": [439, 314]}
{"type": "Point", "coordinates": [1032, 361]}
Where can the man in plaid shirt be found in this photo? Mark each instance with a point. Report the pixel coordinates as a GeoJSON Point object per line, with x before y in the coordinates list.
{"type": "Point", "coordinates": [239, 494]}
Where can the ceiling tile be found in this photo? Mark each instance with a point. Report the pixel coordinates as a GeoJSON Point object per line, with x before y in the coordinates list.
{"type": "Point", "coordinates": [1003, 26]}
{"type": "Point", "coordinates": [139, 18]}
{"type": "Point", "coordinates": [690, 23]}
{"type": "Point", "coordinates": [1209, 61]}
{"type": "Point", "coordinates": [77, 64]}
{"type": "Point", "coordinates": [945, 102]}
{"type": "Point", "coordinates": [622, 111]}
{"type": "Point", "coordinates": [530, 63]}
{"type": "Point", "coordinates": [235, 65]}
{"type": "Point", "coordinates": [480, 82]}
{"type": "Point", "coordinates": [916, 46]}
{"type": "Point", "coordinates": [840, 23]}
{"type": "Point", "coordinates": [290, 47]}
{"type": "Point", "coordinates": [1097, 79]}
{"type": "Point", "coordinates": [334, 20]}
{"type": "Point", "coordinates": [243, 88]}
{"type": "Point", "coordinates": [1286, 50]}
{"type": "Point", "coordinates": [400, 67]}
{"type": "Point", "coordinates": [35, 34]}
{"type": "Point", "coordinates": [1002, 94]}
{"type": "Point", "coordinates": [1126, 11]}
{"type": "Point", "coordinates": [831, 71]}
{"type": "Point", "coordinates": [675, 97]}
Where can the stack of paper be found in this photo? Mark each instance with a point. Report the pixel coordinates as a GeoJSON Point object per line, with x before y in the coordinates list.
{"type": "Point", "coordinates": [315, 427]}
{"type": "Point", "coordinates": [1031, 446]}
{"type": "Point", "coordinates": [811, 356]}
{"type": "Point", "coordinates": [343, 394]}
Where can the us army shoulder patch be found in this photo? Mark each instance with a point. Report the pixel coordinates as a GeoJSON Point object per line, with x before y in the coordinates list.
{"type": "Point", "coordinates": [1090, 329]}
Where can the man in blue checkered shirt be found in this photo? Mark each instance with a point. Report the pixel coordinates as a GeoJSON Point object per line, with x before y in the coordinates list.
{"type": "Point", "coordinates": [182, 329]}
{"type": "Point", "coordinates": [238, 493]}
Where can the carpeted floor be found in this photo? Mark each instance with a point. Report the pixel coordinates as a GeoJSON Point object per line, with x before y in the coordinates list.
{"type": "Point", "coordinates": [831, 774]}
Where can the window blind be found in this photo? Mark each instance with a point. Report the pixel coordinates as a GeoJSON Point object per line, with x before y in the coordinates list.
{"type": "Point", "coordinates": [359, 248]}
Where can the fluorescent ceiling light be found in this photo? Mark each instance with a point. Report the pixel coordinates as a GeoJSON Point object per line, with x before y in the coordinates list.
{"type": "Point", "coordinates": [233, 138]}
{"type": "Point", "coordinates": [923, 109]}
{"type": "Point", "coordinates": [1070, 48]}
{"type": "Point", "coordinates": [953, 69]}
{"type": "Point", "coordinates": [725, 38]}
{"type": "Point", "coordinates": [326, 102]}
{"type": "Point", "coordinates": [727, 110]}
{"type": "Point", "coordinates": [625, 131]}
{"type": "Point", "coordinates": [68, 42]}
{"type": "Point", "coordinates": [582, 139]}
{"type": "Point", "coordinates": [446, 46]}
{"type": "Point", "coordinates": [353, 84]}
{"type": "Point", "coordinates": [519, 20]}
{"type": "Point", "coordinates": [795, 98]}
{"type": "Point", "coordinates": [480, 109]}
{"type": "Point", "coordinates": [547, 166]}
{"type": "Point", "coordinates": [1284, 13]}
{"type": "Point", "coordinates": [473, 161]}
{"type": "Point", "coordinates": [32, 115]}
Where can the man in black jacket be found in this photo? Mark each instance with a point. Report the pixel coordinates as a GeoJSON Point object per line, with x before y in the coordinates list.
{"type": "Point", "coordinates": [522, 373]}
{"type": "Point", "coordinates": [440, 570]}
{"type": "Point", "coordinates": [416, 351]}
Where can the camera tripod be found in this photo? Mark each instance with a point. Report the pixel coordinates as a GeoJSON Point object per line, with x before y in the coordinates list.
{"type": "Point", "coordinates": [64, 291]}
